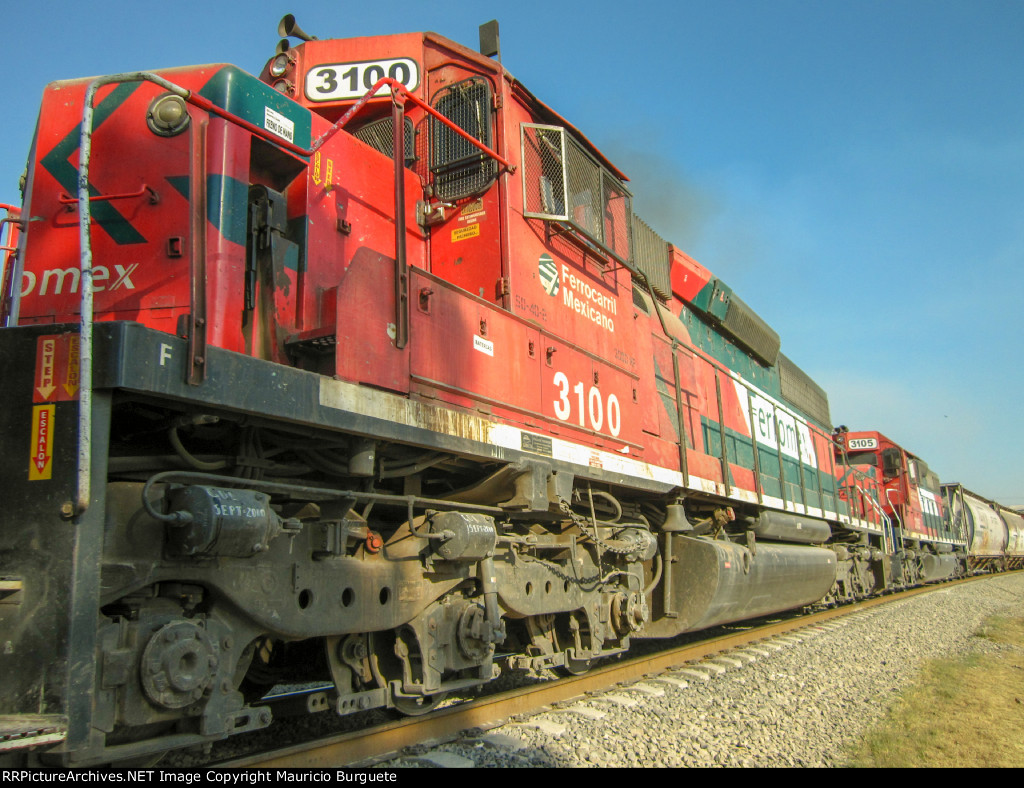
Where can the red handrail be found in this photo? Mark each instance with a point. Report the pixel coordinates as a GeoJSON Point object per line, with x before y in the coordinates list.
{"type": "Point", "coordinates": [398, 93]}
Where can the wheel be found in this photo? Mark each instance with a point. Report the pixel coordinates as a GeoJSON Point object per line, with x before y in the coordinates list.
{"type": "Point", "coordinates": [414, 707]}
{"type": "Point", "coordinates": [576, 667]}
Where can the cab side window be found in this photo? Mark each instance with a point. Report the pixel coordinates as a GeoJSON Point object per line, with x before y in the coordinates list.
{"type": "Point", "coordinates": [461, 169]}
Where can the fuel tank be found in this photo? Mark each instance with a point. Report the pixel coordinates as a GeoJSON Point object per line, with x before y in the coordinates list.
{"type": "Point", "coordinates": [713, 581]}
{"type": "Point", "coordinates": [786, 527]}
{"type": "Point", "coordinates": [938, 567]}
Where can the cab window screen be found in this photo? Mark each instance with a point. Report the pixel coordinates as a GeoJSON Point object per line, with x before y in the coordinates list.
{"type": "Point", "coordinates": [460, 168]}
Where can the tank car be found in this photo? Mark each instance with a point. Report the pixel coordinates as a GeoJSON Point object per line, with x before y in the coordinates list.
{"type": "Point", "coordinates": [364, 371]}
{"type": "Point", "coordinates": [994, 533]}
{"type": "Point", "coordinates": [1015, 537]}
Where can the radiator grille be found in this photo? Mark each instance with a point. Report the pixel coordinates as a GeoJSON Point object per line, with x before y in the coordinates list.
{"type": "Point", "coordinates": [650, 256]}
{"type": "Point", "coordinates": [803, 393]}
{"type": "Point", "coordinates": [757, 336]}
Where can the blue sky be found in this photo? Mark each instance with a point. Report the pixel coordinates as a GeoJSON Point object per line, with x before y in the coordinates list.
{"type": "Point", "coordinates": [854, 170]}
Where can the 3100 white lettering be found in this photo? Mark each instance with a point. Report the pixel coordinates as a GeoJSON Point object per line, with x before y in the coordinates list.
{"type": "Point", "coordinates": [592, 406]}
{"type": "Point", "coordinates": [341, 81]}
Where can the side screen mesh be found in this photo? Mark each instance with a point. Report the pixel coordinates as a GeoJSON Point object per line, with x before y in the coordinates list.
{"type": "Point", "coordinates": [617, 217]}
{"type": "Point", "coordinates": [378, 135]}
{"type": "Point", "coordinates": [584, 179]}
{"type": "Point", "coordinates": [561, 182]}
{"type": "Point", "coordinates": [460, 168]}
{"type": "Point", "coordinates": [544, 185]}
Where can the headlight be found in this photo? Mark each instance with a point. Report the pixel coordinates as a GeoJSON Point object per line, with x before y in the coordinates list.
{"type": "Point", "coordinates": [168, 115]}
{"type": "Point", "coordinates": [279, 65]}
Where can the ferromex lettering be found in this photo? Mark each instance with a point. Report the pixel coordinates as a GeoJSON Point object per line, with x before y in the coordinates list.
{"type": "Point", "coordinates": [57, 281]}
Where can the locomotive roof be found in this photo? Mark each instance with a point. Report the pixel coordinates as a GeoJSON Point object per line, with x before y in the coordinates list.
{"type": "Point", "coordinates": [525, 95]}
{"type": "Point", "coordinates": [520, 91]}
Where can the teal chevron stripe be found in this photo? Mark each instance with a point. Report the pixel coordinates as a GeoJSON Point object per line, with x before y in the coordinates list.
{"type": "Point", "coordinates": [180, 184]}
{"type": "Point", "coordinates": [58, 165]}
{"type": "Point", "coordinates": [226, 204]}
{"type": "Point", "coordinates": [247, 97]}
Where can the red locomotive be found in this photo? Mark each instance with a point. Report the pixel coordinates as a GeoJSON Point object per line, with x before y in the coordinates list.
{"type": "Point", "coordinates": [911, 503]}
{"type": "Point", "coordinates": [359, 370]}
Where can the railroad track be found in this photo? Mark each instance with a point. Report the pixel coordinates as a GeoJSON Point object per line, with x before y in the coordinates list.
{"type": "Point", "coordinates": [381, 742]}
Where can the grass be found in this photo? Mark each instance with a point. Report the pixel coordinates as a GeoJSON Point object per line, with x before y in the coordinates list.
{"type": "Point", "coordinates": [960, 713]}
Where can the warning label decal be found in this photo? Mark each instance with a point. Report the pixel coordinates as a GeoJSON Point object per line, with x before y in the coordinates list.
{"type": "Point", "coordinates": [46, 358]}
{"type": "Point", "coordinates": [41, 464]}
{"type": "Point", "coordinates": [462, 233]}
{"type": "Point", "coordinates": [57, 368]}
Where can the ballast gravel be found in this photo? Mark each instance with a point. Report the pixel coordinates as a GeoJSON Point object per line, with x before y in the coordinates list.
{"type": "Point", "coordinates": [804, 704]}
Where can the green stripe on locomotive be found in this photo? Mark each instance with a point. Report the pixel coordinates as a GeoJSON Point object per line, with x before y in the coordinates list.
{"type": "Point", "coordinates": [740, 452]}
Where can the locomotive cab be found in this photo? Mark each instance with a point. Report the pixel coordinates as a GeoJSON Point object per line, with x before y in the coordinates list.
{"type": "Point", "coordinates": [909, 497]}
{"type": "Point", "coordinates": [557, 315]}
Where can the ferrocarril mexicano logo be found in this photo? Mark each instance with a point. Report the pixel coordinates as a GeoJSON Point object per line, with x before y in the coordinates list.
{"type": "Point", "coordinates": [548, 274]}
{"type": "Point", "coordinates": [577, 294]}
{"type": "Point", "coordinates": [585, 299]}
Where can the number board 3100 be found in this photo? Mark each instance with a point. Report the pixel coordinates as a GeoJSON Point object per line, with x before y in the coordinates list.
{"type": "Point", "coordinates": [340, 81]}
